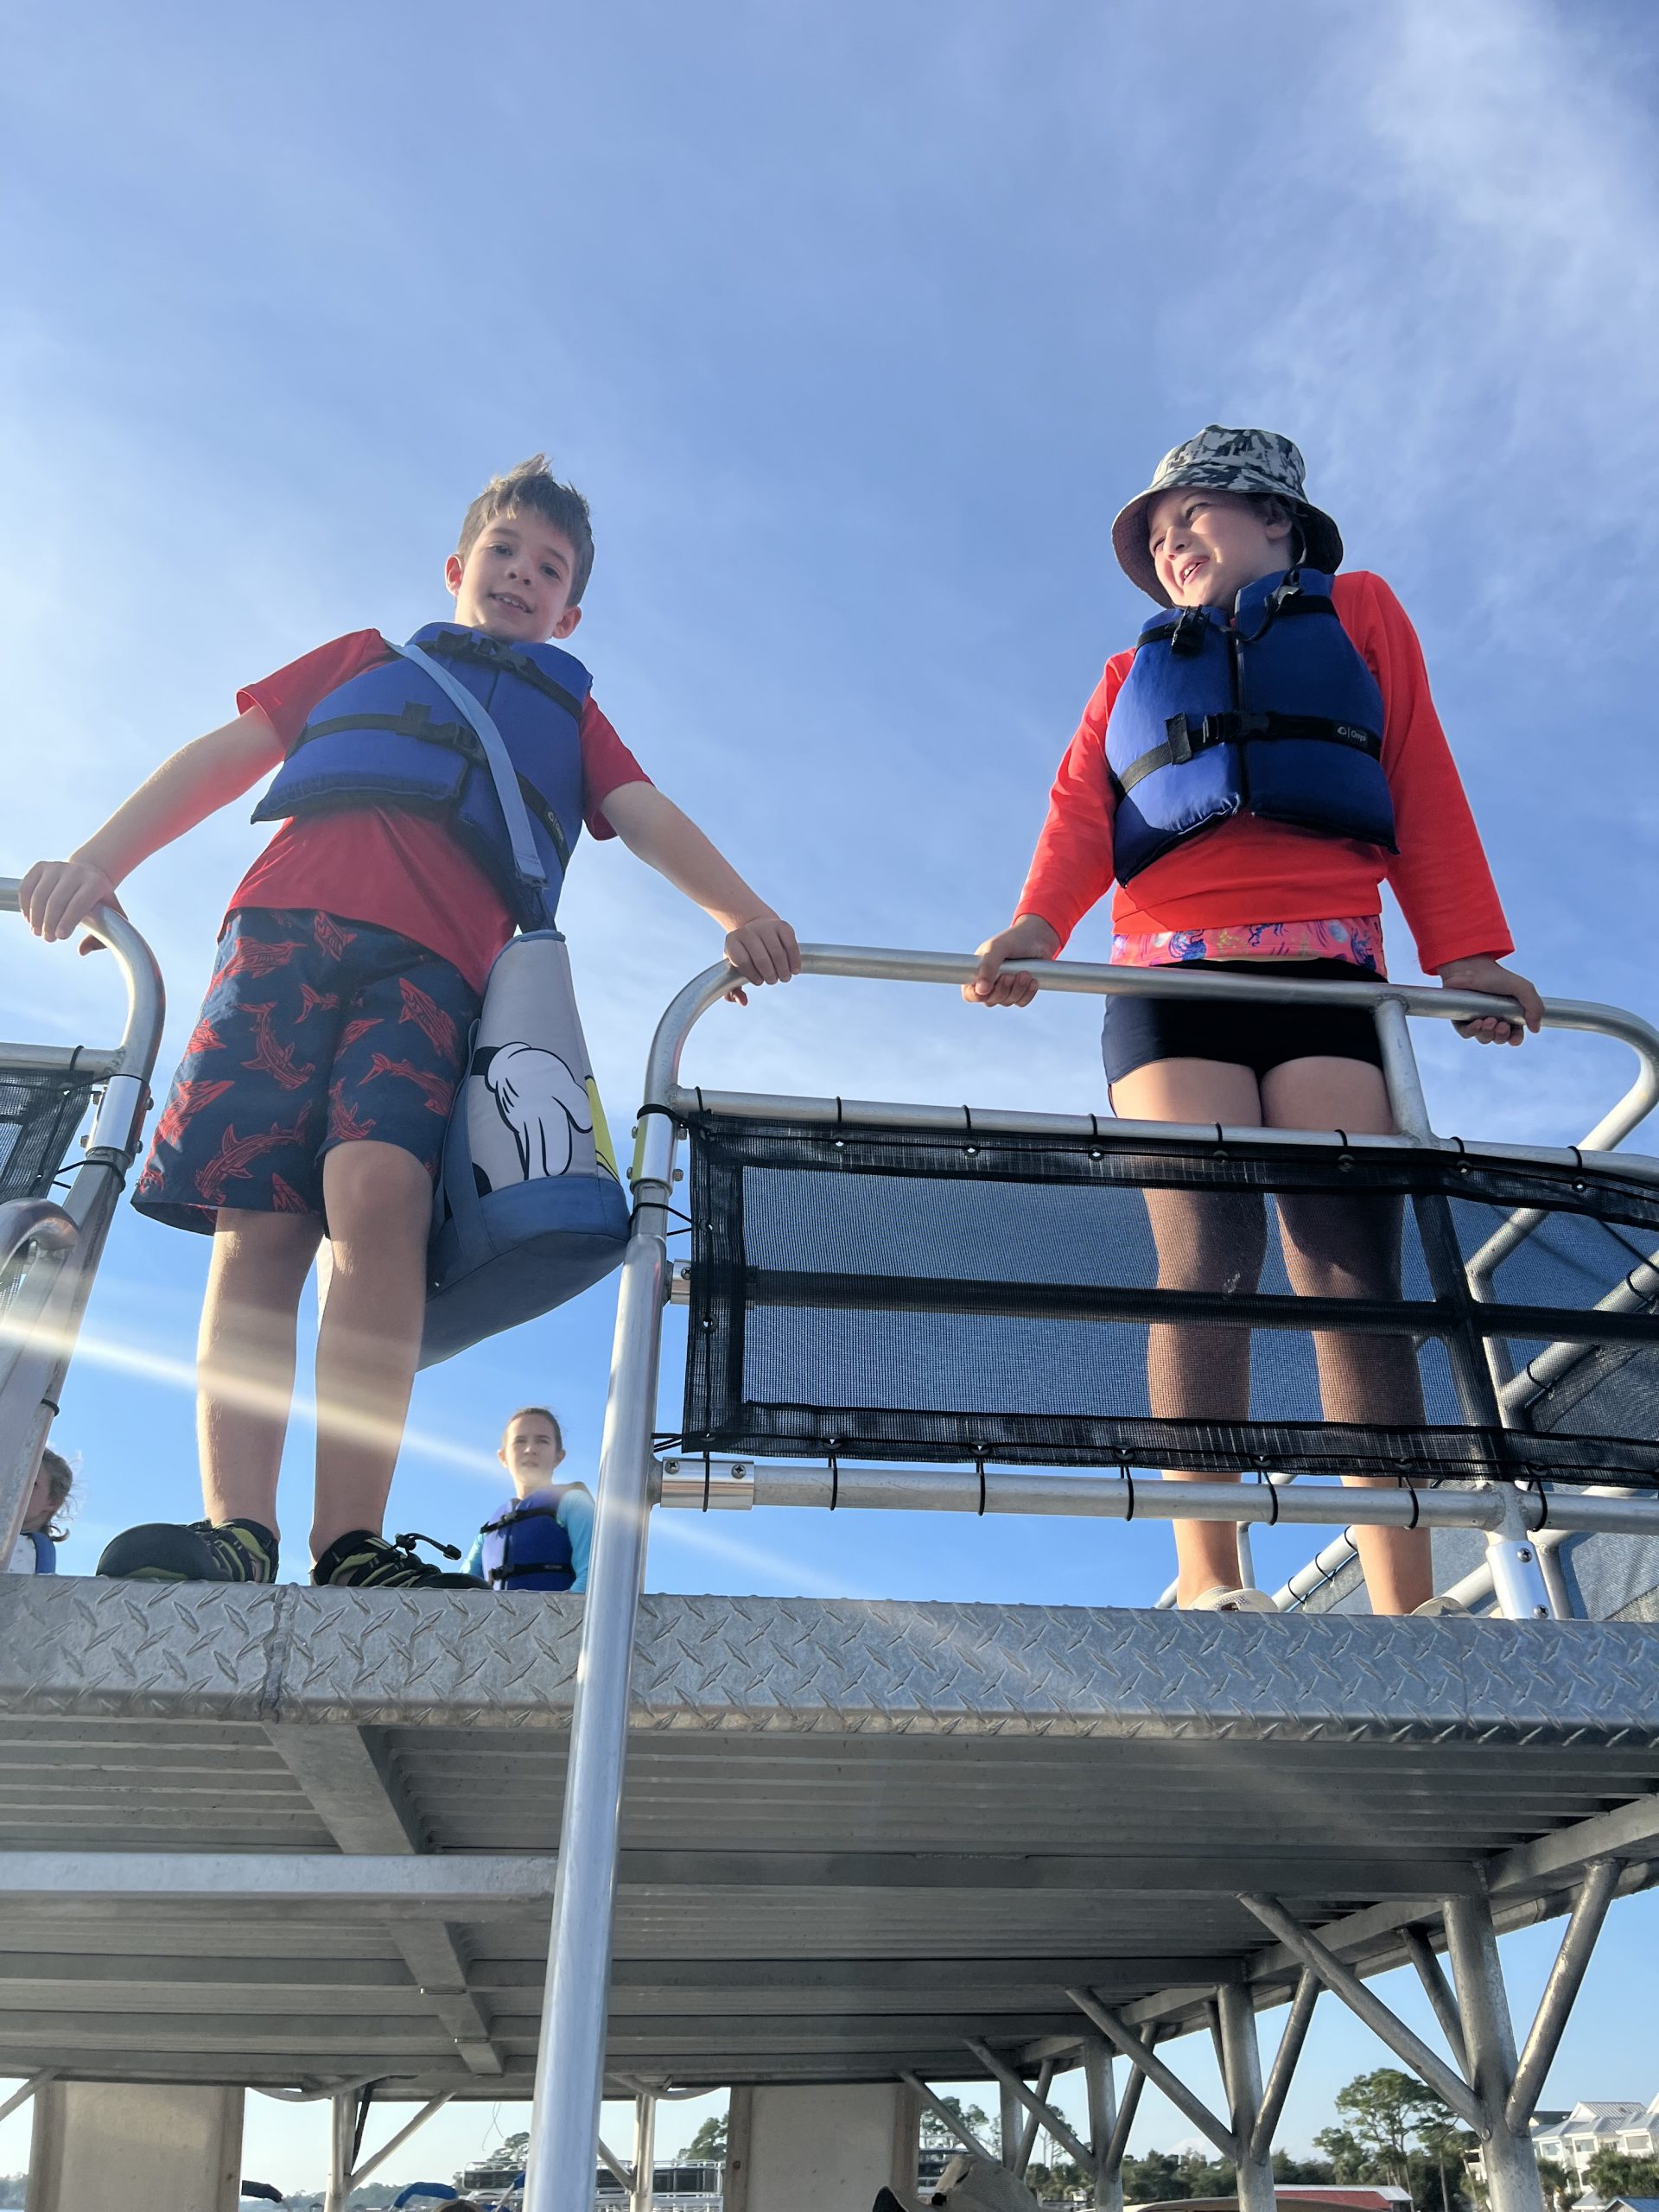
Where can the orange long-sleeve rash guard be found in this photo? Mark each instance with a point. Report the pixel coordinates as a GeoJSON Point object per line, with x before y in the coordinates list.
{"type": "Point", "coordinates": [1246, 870]}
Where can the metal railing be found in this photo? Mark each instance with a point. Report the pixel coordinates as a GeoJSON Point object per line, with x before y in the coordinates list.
{"type": "Point", "coordinates": [53, 1249]}
{"type": "Point", "coordinates": [569, 2076]}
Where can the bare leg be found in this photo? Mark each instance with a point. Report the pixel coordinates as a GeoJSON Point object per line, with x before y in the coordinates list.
{"type": "Point", "coordinates": [245, 1359]}
{"type": "Point", "coordinates": [1350, 1248]}
{"type": "Point", "coordinates": [379, 1204]}
{"type": "Point", "coordinates": [1206, 1241]}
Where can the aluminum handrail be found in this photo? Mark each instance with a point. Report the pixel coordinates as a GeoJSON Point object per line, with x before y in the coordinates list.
{"type": "Point", "coordinates": [36, 1356]}
{"type": "Point", "coordinates": [879, 964]}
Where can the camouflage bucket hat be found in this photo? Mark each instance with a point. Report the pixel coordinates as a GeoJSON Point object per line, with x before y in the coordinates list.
{"type": "Point", "coordinates": [1248, 461]}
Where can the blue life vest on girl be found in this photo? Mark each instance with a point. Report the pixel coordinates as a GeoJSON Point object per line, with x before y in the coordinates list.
{"type": "Point", "coordinates": [1273, 713]}
{"type": "Point", "coordinates": [525, 1546]}
{"type": "Point", "coordinates": [391, 737]}
{"type": "Point", "coordinates": [46, 1552]}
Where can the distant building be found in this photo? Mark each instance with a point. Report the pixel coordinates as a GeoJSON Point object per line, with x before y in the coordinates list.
{"type": "Point", "coordinates": [1571, 2140]}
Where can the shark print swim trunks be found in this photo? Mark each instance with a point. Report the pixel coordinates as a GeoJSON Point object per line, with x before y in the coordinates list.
{"type": "Point", "coordinates": [316, 1031]}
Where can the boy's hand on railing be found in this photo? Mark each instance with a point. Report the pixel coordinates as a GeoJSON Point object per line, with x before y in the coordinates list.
{"type": "Point", "coordinates": [1030, 938]}
{"type": "Point", "coordinates": [1483, 973]}
{"type": "Point", "coordinates": [764, 950]}
{"type": "Point", "coordinates": [56, 896]}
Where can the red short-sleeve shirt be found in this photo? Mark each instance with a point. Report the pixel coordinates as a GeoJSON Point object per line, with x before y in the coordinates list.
{"type": "Point", "coordinates": [387, 865]}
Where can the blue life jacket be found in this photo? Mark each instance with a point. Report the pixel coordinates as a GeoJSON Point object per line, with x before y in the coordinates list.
{"type": "Point", "coordinates": [1273, 713]}
{"type": "Point", "coordinates": [391, 737]}
{"type": "Point", "coordinates": [46, 1552]}
{"type": "Point", "coordinates": [524, 1547]}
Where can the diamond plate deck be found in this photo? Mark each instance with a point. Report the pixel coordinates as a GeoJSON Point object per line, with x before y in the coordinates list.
{"type": "Point", "coordinates": [854, 1834]}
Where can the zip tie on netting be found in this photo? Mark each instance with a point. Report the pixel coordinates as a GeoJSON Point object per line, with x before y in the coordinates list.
{"type": "Point", "coordinates": [835, 1482]}
{"type": "Point", "coordinates": [979, 1469]}
{"type": "Point", "coordinates": [1124, 1470]}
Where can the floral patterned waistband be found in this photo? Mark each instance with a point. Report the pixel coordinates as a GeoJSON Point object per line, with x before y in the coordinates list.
{"type": "Point", "coordinates": [1359, 939]}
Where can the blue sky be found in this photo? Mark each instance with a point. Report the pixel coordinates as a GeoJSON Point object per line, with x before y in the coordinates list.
{"type": "Point", "coordinates": [856, 325]}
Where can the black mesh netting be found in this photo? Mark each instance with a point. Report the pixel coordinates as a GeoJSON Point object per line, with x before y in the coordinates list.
{"type": "Point", "coordinates": [895, 1295]}
{"type": "Point", "coordinates": [39, 1115]}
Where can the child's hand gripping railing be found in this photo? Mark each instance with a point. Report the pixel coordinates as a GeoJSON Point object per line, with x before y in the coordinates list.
{"type": "Point", "coordinates": [569, 2074]}
{"type": "Point", "coordinates": [49, 1250]}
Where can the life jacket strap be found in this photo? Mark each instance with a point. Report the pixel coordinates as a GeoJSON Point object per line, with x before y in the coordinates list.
{"type": "Point", "coordinates": [1184, 741]}
{"type": "Point", "coordinates": [495, 653]}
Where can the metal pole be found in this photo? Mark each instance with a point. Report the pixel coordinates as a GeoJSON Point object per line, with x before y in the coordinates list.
{"type": "Point", "coordinates": [569, 2066]}
{"type": "Point", "coordinates": [1113, 2162]}
{"type": "Point", "coordinates": [1103, 2122]}
{"type": "Point", "coordinates": [1050, 2119]}
{"type": "Point", "coordinates": [1358, 1998]}
{"type": "Point", "coordinates": [1566, 1976]}
{"type": "Point", "coordinates": [1282, 2071]}
{"type": "Point", "coordinates": [1152, 2068]}
{"type": "Point", "coordinates": [959, 2129]}
{"type": "Point", "coordinates": [21, 2096]}
{"type": "Point", "coordinates": [1400, 1072]}
{"type": "Point", "coordinates": [1028, 2134]}
{"type": "Point", "coordinates": [1010, 2116]}
{"type": "Point", "coordinates": [342, 2126]}
{"type": "Point", "coordinates": [1242, 2072]}
{"type": "Point", "coordinates": [373, 2163]}
{"type": "Point", "coordinates": [1439, 1993]}
{"type": "Point", "coordinates": [608, 2158]}
{"type": "Point", "coordinates": [1511, 2163]}
{"type": "Point", "coordinates": [644, 2192]}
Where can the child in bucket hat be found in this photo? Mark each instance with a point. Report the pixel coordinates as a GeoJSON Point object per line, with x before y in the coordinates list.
{"type": "Point", "coordinates": [1302, 765]}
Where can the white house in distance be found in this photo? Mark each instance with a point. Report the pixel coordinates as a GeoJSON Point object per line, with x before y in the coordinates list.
{"type": "Point", "coordinates": [1571, 2139]}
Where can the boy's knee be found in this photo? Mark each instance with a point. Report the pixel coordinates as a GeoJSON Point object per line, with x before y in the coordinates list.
{"type": "Point", "coordinates": [370, 1185]}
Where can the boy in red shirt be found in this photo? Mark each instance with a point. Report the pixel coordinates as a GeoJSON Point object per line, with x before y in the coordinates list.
{"type": "Point", "coordinates": [315, 1091]}
{"type": "Point", "coordinates": [1239, 837]}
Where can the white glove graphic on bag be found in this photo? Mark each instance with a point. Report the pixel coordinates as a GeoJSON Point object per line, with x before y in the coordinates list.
{"type": "Point", "coordinates": [541, 1102]}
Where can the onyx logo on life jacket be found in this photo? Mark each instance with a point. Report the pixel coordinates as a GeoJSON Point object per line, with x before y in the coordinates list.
{"type": "Point", "coordinates": [392, 736]}
{"type": "Point", "coordinates": [1272, 712]}
{"type": "Point", "coordinates": [525, 1545]}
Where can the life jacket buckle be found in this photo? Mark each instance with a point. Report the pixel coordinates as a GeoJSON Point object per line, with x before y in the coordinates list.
{"type": "Point", "coordinates": [1187, 639]}
{"type": "Point", "coordinates": [1179, 740]}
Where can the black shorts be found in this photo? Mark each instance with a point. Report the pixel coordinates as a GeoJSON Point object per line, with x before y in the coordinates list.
{"type": "Point", "coordinates": [1139, 1031]}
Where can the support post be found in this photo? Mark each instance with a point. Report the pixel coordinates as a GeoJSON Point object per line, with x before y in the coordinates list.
{"type": "Point", "coordinates": [1511, 2163]}
{"type": "Point", "coordinates": [644, 2192]}
{"type": "Point", "coordinates": [1051, 2119]}
{"type": "Point", "coordinates": [569, 2065]}
{"type": "Point", "coordinates": [21, 2096]}
{"type": "Point", "coordinates": [1283, 2069]}
{"type": "Point", "coordinates": [1590, 1907]}
{"type": "Point", "coordinates": [1010, 2117]}
{"type": "Point", "coordinates": [342, 2130]}
{"type": "Point", "coordinates": [1112, 2164]}
{"type": "Point", "coordinates": [959, 2129]}
{"type": "Point", "coordinates": [1152, 2068]}
{"type": "Point", "coordinates": [1028, 2133]}
{"type": "Point", "coordinates": [608, 2159]}
{"type": "Point", "coordinates": [1387, 2026]}
{"type": "Point", "coordinates": [1242, 2074]}
{"type": "Point", "coordinates": [1102, 2124]}
{"type": "Point", "coordinates": [1438, 1991]}
{"type": "Point", "coordinates": [378, 2159]}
